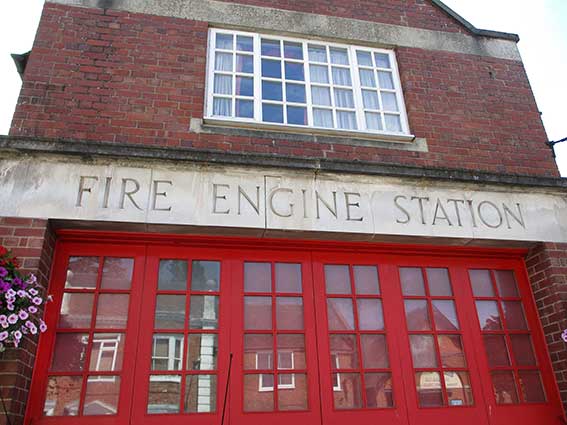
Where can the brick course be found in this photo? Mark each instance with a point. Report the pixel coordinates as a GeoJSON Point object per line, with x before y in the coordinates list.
{"type": "Point", "coordinates": [132, 78]}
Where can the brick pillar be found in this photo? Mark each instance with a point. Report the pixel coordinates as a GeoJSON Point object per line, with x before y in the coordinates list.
{"type": "Point", "coordinates": [32, 241]}
{"type": "Point", "coordinates": [547, 268]}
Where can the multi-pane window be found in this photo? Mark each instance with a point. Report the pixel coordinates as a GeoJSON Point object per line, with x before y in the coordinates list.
{"type": "Point", "coordinates": [274, 80]}
{"type": "Point", "coordinates": [436, 343]}
{"type": "Point", "coordinates": [507, 338]}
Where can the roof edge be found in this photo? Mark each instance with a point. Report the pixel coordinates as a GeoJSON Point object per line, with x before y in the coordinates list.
{"type": "Point", "coordinates": [472, 28]}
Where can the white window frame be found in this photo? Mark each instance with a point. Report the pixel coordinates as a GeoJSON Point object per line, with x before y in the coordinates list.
{"type": "Point", "coordinates": [265, 388]}
{"type": "Point", "coordinates": [171, 358]}
{"type": "Point", "coordinates": [256, 122]}
{"type": "Point", "coordinates": [336, 360]}
{"type": "Point", "coordinates": [106, 345]}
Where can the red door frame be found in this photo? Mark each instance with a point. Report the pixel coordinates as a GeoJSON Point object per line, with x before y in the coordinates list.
{"type": "Point", "coordinates": [93, 243]}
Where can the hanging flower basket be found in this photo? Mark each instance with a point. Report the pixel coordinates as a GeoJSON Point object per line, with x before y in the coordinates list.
{"type": "Point", "coordinates": [20, 302]}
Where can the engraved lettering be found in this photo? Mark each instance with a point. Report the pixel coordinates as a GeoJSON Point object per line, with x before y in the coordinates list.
{"type": "Point", "coordinates": [471, 211]}
{"type": "Point", "coordinates": [482, 217]}
{"type": "Point", "coordinates": [106, 196]}
{"type": "Point", "coordinates": [288, 213]}
{"type": "Point", "coordinates": [402, 209]}
{"type": "Point", "coordinates": [350, 204]}
{"type": "Point", "coordinates": [304, 195]}
{"type": "Point", "coordinates": [332, 209]}
{"type": "Point", "coordinates": [242, 194]}
{"type": "Point", "coordinates": [83, 188]}
{"type": "Point", "coordinates": [128, 193]}
{"type": "Point", "coordinates": [518, 218]}
{"type": "Point", "coordinates": [155, 195]}
{"type": "Point", "coordinates": [457, 210]}
{"type": "Point", "coordinates": [420, 200]}
{"type": "Point", "coordinates": [216, 197]}
{"type": "Point", "coordinates": [439, 208]}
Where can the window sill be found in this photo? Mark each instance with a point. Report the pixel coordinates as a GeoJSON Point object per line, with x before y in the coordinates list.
{"type": "Point", "coordinates": [271, 131]}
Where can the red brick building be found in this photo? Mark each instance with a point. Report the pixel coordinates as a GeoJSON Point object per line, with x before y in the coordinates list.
{"type": "Point", "coordinates": [255, 211]}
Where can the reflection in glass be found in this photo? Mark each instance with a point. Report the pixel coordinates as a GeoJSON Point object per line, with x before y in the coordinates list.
{"type": "Point", "coordinates": [340, 314]}
{"type": "Point", "coordinates": [417, 315]}
{"type": "Point", "coordinates": [164, 394]}
{"type": "Point", "coordinates": [117, 273]}
{"type": "Point", "coordinates": [514, 315]}
{"type": "Point", "coordinates": [370, 316]}
{"type": "Point", "coordinates": [101, 397]}
{"type": "Point", "coordinates": [374, 351]}
{"type": "Point", "coordinates": [347, 393]}
{"type": "Point", "coordinates": [272, 113]}
{"type": "Point", "coordinates": [257, 313]}
{"type": "Point", "coordinates": [439, 283]}
{"type": "Point", "coordinates": [257, 277]}
{"type": "Point", "coordinates": [481, 283]}
{"type": "Point", "coordinates": [293, 346]}
{"type": "Point", "coordinates": [112, 311]}
{"type": "Point", "coordinates": [344, 351]}
{"type": "Point", "coordinates": [256, 398]}
{"type": "Point", "coordinates": [82, 272]}
{"type": "Point", "coordinates": [69, 353]}
{"type": "Point", "coordinates": [423, 351]}
{"type": "Point", "coordinates": [292, 397]}
{"type": "Point", "coordinates": [200, 393]}
{"type": "Point", "coordinates": [412, 281]}
{"type": "Point", "coordinates": [452, 352]}
{"type": "Point", "coordinates": [107, 352]}
{"type": "Point", "coordinates": [488, 315]}
{"type": "Point", "coordinates": [379, 392]}
{"type": "Point", "coordinates": [167, 350]}
{"type": "Point", "coordinates": [76, 311]}
{"type": "Point", "coordinates": [63, 395]}
{"type": "Point", "coordinates": [445, 315]}
{"type": "Point", "coordinates": [289, 313]}
{"type": "Point", "coordinates": [257, 347]}
{"type": "Point", "coordinates": [459, 390]}
{"type": "Point", "coordinates": [205, 276]}
{"type": "Point", "coordinates": [172, 275]}
{"type": "Point", "coordinates": [506, 283]}
{"type": "Point", "coordinates": [366, 280]}
{"type": "Point", "coordinates": [504, 387]}
{"type": "Point", "coordinates": [204, 312]}
{"type": "Point", "coordinates": [531, 386]}
{"type": "Point", "coordinates": [429, 389]}
{"type": "Point", "coordinates": [337, 279]}
{"type": "Point", "coordinates": [288, 278]}
{"type": "Point", "coordinates": [170, 312]}
{"type": "Point", "coordinates": [496, 350]}
{"type": "Point", "coordinates": [202, 352]}
{"type": "Point", "coordinates": [523, 350]}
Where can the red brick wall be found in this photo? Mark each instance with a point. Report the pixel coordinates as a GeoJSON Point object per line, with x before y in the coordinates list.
{"type": "Point", "coordinates": [32, 242]}
{"type": "Point", "coordinates": [131, 78]}
{"type": "Point", "coordinates": [547, 267]}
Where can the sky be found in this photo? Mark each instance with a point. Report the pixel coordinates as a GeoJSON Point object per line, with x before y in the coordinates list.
{"type": "Point", "coordinates": [541, 24]}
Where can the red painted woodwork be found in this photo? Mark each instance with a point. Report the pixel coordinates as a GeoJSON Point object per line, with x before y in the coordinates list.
{"type": "Point", "coordinates": [305, 324]}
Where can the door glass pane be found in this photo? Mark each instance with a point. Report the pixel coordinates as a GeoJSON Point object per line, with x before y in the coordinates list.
{"type": "Point", "coordinates": [523, 350]}
{"type": "Point", "coordinates": [459, 390]}
{"type": "Point", "coordinates": [117, 273]}
{"type": "Point", "coordinates": [337, 279]}
{"type": "Point", "coordinates": [257, 346]}
{"type": "Point", "coordinates": [340, 314]}
{"type": "Point", "coordinates": [374, 352]}
{"type": "Point", "coordinates": [205, 276]}
{"type": "Point", "coordinates": [170, 312]}
{"type": "Point", "coordinates": [412, 281]}
{"type": "Point", "coordinates": [167, 351]}
{"type": "Point", "coordinates": [417, 315]}
{"type": "Point", "coordinates": [496, 350]}
{"type": "Point", "coordinates": [370, 315]}
{"type": "Point", "coordinates": [258, 393]}
{"type": "Point", "coordinates": [82, 272]}
{"type": "Point", "coordinates": [445, 315]}
{"type": "Point", "coordinates": [76, 311]}
{"type": "Point", "coordinates": [504, 387]}
{"type": "Point", "coordinates": [289, 313]}
{"type": "Point", "coordinates": [344, 351]}
{"type": "Point", "coordinates": [172, 275]}
{"type": "Point", "coordinates": [439, 284]}
{"type": "Point", "coordinates": [531, 386]}
{"type": "Point", "coordinates": [506, 283]}
{"type": "Point", "coordinates": [481, 283]}
{"type": "Point", "coordinates": [288, 278]}
{"type": "Point", "coordinates": [451, 349]}
{"type": "Point", "coordinates": [378, 388]}
{"type": "Point", "coordinates": [63, 395]}
{"type": "Point", "coordinates": [107, 352]}
{"type": "Point", "coordinates": [164, 394]}
{"type": "Point", "coordinates": [366, 280]}
{"type": "Point", "coordinates": [347, 394]}
{"type": "Point", "coordinates": [69, 352]}
{"type": "Point", "coordinates": [202, 352]}
{"type": "Point", "coordinates": [292, 392]}
{"type": "Point", "coordinates": [514, 315]}
{"type": "Point", "coordinates": [423, 351]}
{"type": "Point", "coordinates": [101, 397]}
{"type": "Point", "coordinates": [257, 313]}
{"type": "Point", "coordinates": [295, 346]}
{"type": "Point", "coordinates": [204, 312]}
{"type": "Point", "coordinates": [488, 315]}
{"type": "Point", "coordinates": [257, 277]}
{"type": "Point", "coordinates": [112, 311]}
{"type": "Point", "coordinates": [200, 393]}
{"type": "Point", "coordinates": [428, 385]}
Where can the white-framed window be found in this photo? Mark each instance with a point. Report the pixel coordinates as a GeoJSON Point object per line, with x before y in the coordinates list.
{"type": "Point", "coordinates": [264, 361]}
{"type": "Point", "coordinates": [336, 376]}
{"type": "Point", "coordinates": [299, 83]}
{"type": "Point", "coordinates": [167, 351]}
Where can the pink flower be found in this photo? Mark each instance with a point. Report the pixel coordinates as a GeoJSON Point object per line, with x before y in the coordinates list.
{"type": "Point", "coordinates": [17, 335]}
{"type": "Point", "coordinates": [3, 336]}
{"type": "Point", "coordinates": [42, 326]}
{"type": "Point", "coordinates": [12, 318]}
{"type": "Point", "coordinates": [37, 300]}
{"type": "Point", "coordinates": [33, 291]}
{"type": "Point", "coordinates": [23, 315]}
{"type": "Point", "coordinates": [32, 309]}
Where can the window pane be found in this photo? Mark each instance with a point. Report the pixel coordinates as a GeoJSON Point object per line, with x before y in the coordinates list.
{"type": "Point", "coordinates": [76, 310]}
{"type": "Point", "coordinates": [63, 395]}
{"type": "Point", "coordinates": [417, 315]}
{"type": "Point", "coordinates": [423, 351]}
{"type": "Point", "coordinates": [257, 349]}
{"type": "Point", "coordinates": [244, 86]}
{"type": "Point", "coordinates": [319, 74]}
{"type": "Point", "coordinates": [293, 50]}
{"type": "Point", "coordinates": [271, 68]}
{"type": "Point", "coordinates": [288, 278]}
{"type": "Point", "coordinates": [339, 56]}
{"type": "Point", "coordinates": [270, 47]}
{"type": "Point", "coordinates": [337, 279]}
{"type": "Point", "coordinates": [107, 352]}
{"type": "Point", "coordinates": [445, 315]}
{"type": "Point", "coordinates": [531, 386]}
{"type": "Point", "coordinates": [202, 352]}
{"type": "Point", "coordinates": [244, 108]}
{"type": "Point", "coordinates": [364, 58]}
{"type": "Point", "coordinates": [322, 118]}
{"type": "Point", "coordinates": [429, 389]}
{"type": "Point", "coordinates": [117, 273]}
{"type": "Point", "coordinates": [504, 388]}
{"type": "Point", "coordinates": [374, 351]}
{"type": "Point", "coordinates": [341, 76]}
{"type": "Point", "coordinates": [373, 121]}
{"type": "Point", "coordinates": [170, 312]}
{"type": "Point", "coordinates": [258, 393]}
{"type": "Point", "coordinates": [344, 351]}
{"type": "Point", "coordinates": [496, 350]}
{"type": "Point", "coordinates": [222, 107]}
{"type": "Point", "coordinates": [224, 41]}
{"type": "Point", "coordinates": [340, 313]}
{"type": "Point", "coordinates": [205, 276]}
{"type": "Point", "coordinates": [370, 99]}
{"type": "Point", "coordinates": [167, 351]}
{"type": "Point", "coordinates": [295, 93]}
{"type": "Point", "coordinates": [223, 62]}
{"type": "Point", "coordinates": [506, 283]}
{"type": "Point", "coordinates": [514, 315]}
{"type": "Point", "coordinates": [112, 311]}
{"type": "Point", "coordinates": [382, 60]}
{"type": "Point", "coordinates": [438, 281]}
{"type": "Point", "coordinates": [172, 275]}
{"type": "Point", "coordinates": [204, 312]}
{"type": "Point", "coordinates": [200, 393]}
{"type": "Point", "coordinates": [452, 353]}
{"type": "Point", "coordinates": [348, 393]}
{"type": "Point", "coordinates": [222, 84]}
{"type": "Point", "coordinates": [389, 101]}
{"type": "Point", "coordinates": [317, 53]}
{"type": "Point", "coordinates": [367, 78]}
{"type": "Point", "coordinates": [244, 43]}
{"type": "Point", "coordinates": [289, 313]}
{"type": "Point", "coordinates": [257, 277]}
{"type": "Point", "coordinates": [370, 316]}
{"type": "Point", "coordinates": [346, 120]}
{"type": "Point", "coordinates": [488, 315]}
{"type": "Point", "coordinates": [366, 280]}
{"type": "Point", "coordinates": [272, 113]}
{"type": "Point", "coordinates": [385, 80]}
{"type": "Point", "coordinates": [459, 390]}
{"type": "Point", "coordinates": [245, 64]}
{"type": "Point", "coordinates": [379, 392]}
{"type": "Point", "coordinates": [412, 281]}
{"type": "Point", "coordinates": [294, 71]}
{"type": "Point", "coordinates": [294, 345]}
{"type": "Point", "coordinates": [272, 90]}
{"type": "Point", "coordinates": [296, 115]}
{"type": "Point", "coordinates": [101, 397]}
{"type": "Point", "coordinates": [69, 352]}
{"type": "Point", "coordinates": [481, 283]}
{"type": "Point", "coordinates": [257, 313]}
{"type": "Point", "coordinates": [82, 272]}
{"type": "Point", "coordinates": [164, 394]}
{"type": "Point", "coordinates": [295, 396]}
{"type": "Point", "coordinates": [393, 122]}
{"type": "Point", "coordinates": [523, 350]}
